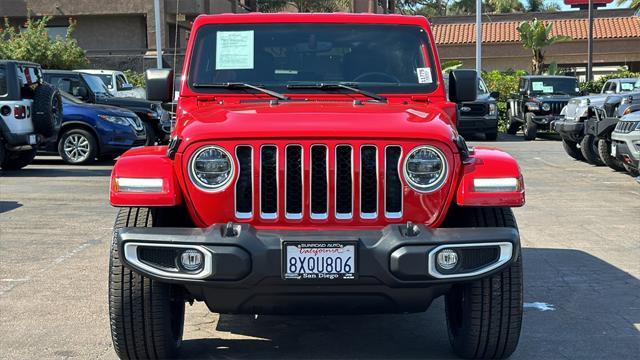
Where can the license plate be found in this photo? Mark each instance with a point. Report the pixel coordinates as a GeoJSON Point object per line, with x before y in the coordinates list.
{"type": "Point", "coordinates": [319, 260]}
{"type": "Point", "coordinates": [613, 149]}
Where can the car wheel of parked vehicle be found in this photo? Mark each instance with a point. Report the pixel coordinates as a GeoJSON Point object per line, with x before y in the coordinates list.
{"type": "Point", "coordinates": [484, 317]}
{"type": "Point", "coordinates": [16, 160]}
{"type": "Point", "coordinates": [491, 136]}
{"type": "Point", "coordinates": [631, 170]}
{"type": "Point", "coordinates": [514, 125]}
{"type": "Point", "coordinates": [530, 128]}
{"type": "Point", "coordinates": [571, 148]}
{"type": "Point", "coordinates": [151, 134]}
{"type": "Point", "coordinates": [77, 146]}
{"type": "Point", "coordinates": [47, 110]}
{"type": "Point", "coordinates": [147, 317]}
{"type": "Point", "coordinates": [589, 149]}
{"type": "Point", "coordinates": [604, 150]}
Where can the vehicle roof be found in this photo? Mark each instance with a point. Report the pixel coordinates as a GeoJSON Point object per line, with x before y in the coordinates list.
{"type": "Point", "coordinates": [99, 71]}
{"type": "Point", "coordinates": [344, 18]}
{"type": "Point", "coordinates": [624, 79]}
{"type": "Point", "coordinates": [60, 72]}
{"type": "Point", "coordinates": [6, 61]}
{"type": "Point", "coordinates": [548, 76]}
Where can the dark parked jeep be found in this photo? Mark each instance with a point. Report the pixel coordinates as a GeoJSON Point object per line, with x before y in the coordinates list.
{"type": "Point", "coordinates": [539, 101]}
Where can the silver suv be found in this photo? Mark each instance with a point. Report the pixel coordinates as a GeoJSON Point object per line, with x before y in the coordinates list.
{"type": "Point", "coordinates": [625, 142]}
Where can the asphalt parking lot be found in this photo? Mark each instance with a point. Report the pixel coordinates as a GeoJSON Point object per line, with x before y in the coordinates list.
{"type": "Point", "coordinates": [580, 230]}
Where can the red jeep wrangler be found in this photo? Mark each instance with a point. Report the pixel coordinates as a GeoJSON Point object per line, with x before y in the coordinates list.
{"type": "Point", "coordinates": [315, 167]}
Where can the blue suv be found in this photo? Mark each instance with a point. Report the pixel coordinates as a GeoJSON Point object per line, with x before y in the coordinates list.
{"type": "Point", "coordinates": [95, 131]}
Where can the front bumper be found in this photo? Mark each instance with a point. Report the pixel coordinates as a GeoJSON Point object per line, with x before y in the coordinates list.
{"type": "Point", "coordinates": [480, 124]}
{"type": "Point", "coordinates": [569, 128]}
{"type": "Point", "coordinates": [600, 129]}
{"type": "Point", "coordinates": [544, 121]}
{"type": "Point", "coordinates": [243, 271]}
{"type": "Point", "coordinates": [627, 147]}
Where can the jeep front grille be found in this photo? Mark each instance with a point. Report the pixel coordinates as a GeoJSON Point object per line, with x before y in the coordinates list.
{"type": "Point", "coordinates": [624, 127]}
{"type": "Point", "coordinates": [556, 107]}
{"type": "Point", "coordinates": [341, 181]}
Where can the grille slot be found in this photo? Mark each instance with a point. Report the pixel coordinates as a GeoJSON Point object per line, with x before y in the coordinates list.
{"type": "Point", "coordinates": [293, 180]}
{"type": "Point", "coordinates": [368, 182]}
{"type": "Point", "coordinates": [344, 182]}
{"type": "Point", "coordinates": [475, 110]}
{"type": "Point", "coordinates": [319, 176]}
{"type": "Point", "coordinates": [244, 184]}
{"type": "Point", "coordinates": [269, 182]}
{"type": "Point", "coordinates": [393, 185]}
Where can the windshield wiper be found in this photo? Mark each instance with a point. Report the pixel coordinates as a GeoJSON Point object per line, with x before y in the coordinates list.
{"type": "Point", "coordinates": [339, 85]}
{"type": "Point", "coordinates": [232, 85]}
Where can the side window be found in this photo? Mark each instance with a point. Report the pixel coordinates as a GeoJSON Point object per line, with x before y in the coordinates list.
{"type": "Point", "coordinates": [522, 86]}
{"type": "Point", "coordinates": [69, 84]}
{"type": "Point", "coordinates": [120, 81]}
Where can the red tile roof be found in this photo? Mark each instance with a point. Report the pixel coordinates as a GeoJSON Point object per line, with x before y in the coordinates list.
{"type": "Point", "coordinates": [506, 31]}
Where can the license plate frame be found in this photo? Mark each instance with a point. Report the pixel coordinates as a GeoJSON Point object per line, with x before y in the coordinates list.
{"type": "Point", "coordinates": [319, 276]}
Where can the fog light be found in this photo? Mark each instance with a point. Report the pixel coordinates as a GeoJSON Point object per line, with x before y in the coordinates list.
{"type": "Point", "coordinates": [191, 260]}
{"type": "Point", "coordinates": [447, 259]}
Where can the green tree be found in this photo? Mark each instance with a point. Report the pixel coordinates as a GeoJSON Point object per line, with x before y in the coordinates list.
{"type": "Point", "coordinates": [541, 6]}
{"type": "Point", "coordinates": [536, 36]}
{"type": "Point", "coordinates": [633, 4]}
{"type": "Point", "coordinates": [303, 5]}
{"type": "Point", "coordinates": [34, 44]}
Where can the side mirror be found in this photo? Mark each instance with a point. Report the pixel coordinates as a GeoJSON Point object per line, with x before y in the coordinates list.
{"type": "Point", "coordinates": [159, 84]}
{"type": "Point", "coordinates": [125, 87]}
{"type": "Point", "coordinates": [494, 94]}
{"type": "Point", "coordinates": [463, 85]}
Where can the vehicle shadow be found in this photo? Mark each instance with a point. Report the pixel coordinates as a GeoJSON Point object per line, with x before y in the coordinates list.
{"type": "Point", "coordinates": [6, 206]}
{"type": "Point", "coordinates": [56, 167]}
{"type": "Point", "coordinates": [595, 306]}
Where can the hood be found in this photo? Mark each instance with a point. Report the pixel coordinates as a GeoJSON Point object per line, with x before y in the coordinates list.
{"type": "Point", "coordinates": [312, 119]}
{"type": "Point", "coordinates": [126, 102]}
{"type": "Point", "coordinates": [595, 100]}
{"type": "Point", "coordinates": [102, 109]}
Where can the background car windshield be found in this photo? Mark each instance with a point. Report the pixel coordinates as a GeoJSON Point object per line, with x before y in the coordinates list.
{"type": "Point", "coordinates": [482, 87]}
{"type": "Point", "coordinates": [381, 58]}
{"type": "Point", "coordinates": [106, 79]}
{"type": "Point", "coordinates": [96, 85]}
{"type": "Point", "coordinates": [68, 98]}
{"type": "Point", "coordinates": [554, 86]}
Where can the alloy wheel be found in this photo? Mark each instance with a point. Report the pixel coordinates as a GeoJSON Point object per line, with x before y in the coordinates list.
{"type": "Point", "coordinates": [76, 147]}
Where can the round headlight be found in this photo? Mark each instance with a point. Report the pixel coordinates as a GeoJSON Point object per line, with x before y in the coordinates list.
{"type": "Point", "coordinates": [425, 168]}
{"type": "Point", "coordinates": [546, 107]}
{"type": "Point", "coordinates": [211, 168]}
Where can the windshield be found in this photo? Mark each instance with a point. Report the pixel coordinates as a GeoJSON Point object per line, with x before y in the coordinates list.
{"type": "Point", "coordinates": [106, 79]}
{"type": "Point", "coordinates": [96, 85]}
{"type": "Point", "coordinates": [563, 86]}
{"type": "Point", "coordinates": [482, 87]}
{"type": "Point", "coordinates": [378, 58]}
{"type": "Point", "coordinates": [69, 99]}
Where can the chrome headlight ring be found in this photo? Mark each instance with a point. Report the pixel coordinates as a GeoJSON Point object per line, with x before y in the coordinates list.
{"type": "Point", "coordinates": [439, 179]}
{"type": "Point", "coordinates": [197, 179]}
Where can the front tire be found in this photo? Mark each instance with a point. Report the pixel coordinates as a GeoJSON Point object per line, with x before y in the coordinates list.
{"type": "Point", "coordinates": [514, 125]}
{"type": "Point", "coordinates": [147, 317]}
{"type": "Point", "coordinates": [571, 148]}
{"type": "Point", "coordinates": [604, 151]}
{"type": "Point", "coordinates": [589, 149]}
{"type": "Point", "coordinates": [530, 128]}
{"type": "Point", "coordinates": [484, 317]}
{"type": "Point", "coordinates": [16, 160]}
{"type": "Point", "coordinates": [77, 147]}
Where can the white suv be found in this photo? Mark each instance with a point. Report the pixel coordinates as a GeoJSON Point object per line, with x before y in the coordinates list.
{"type": "Point", "coordinates": [117, 83]}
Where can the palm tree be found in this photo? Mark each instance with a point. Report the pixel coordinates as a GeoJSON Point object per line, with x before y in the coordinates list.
{"type": "Point", "coordinates": [536, 36]}
{"type": "Point", "coordinates": [635, 4]}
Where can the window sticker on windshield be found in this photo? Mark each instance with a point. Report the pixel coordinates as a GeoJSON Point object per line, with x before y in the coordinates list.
{"type": "Point", "coordinates": [424, 75]}
{"type": "Point", "coordinates": [626, 86]}
{"type": "Point", "coordinates": [537, 86]}
{"type": "Point", "coordinates": [234, 50]}
{"type": "Point", "coordinates": [547, 89]}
